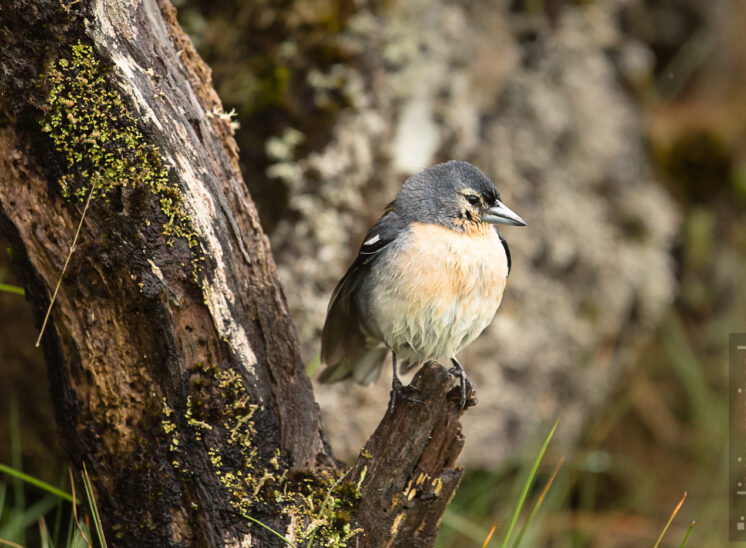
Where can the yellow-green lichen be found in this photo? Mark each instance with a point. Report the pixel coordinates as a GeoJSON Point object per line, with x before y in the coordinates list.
{"type": "Point", "coordinates": [244, 482]}
{"type": "Point", "coordinates": [100, 144]}
{"type": "Point", "coordinates": [219, 414]}
{"type": "Point", "coordinates": [168, 427]}
{"type": "Point", "coordinates": [216, 460]}
{"type": "Point", "coordinates": [198, 426]}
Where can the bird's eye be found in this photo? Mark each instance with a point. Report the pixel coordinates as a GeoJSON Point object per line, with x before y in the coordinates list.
{"type": "Point", "coordinates": [472, 199]}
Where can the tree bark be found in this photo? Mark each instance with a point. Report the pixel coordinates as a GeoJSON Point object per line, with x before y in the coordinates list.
{"type": "Point", "coordinates": [175, 370]}
{"type": "Point", "coordinates": [411, 460]}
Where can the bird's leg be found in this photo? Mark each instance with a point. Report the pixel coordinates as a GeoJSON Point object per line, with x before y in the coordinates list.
{"type": "Point", "coordinates": [398, 390]}
{"type": "Point", "coordinates": [396, 385]}
{"type": "Point", "coordinates": [458, 371]}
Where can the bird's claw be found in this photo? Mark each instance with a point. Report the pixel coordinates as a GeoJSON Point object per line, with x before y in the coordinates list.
{"type": "Point", "coordinates": [398, 390]}
{"type": "Point", "coordinates": [467, 388]}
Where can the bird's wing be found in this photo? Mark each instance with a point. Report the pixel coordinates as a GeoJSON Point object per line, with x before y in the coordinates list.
{"type": "Point", "coordinates": [345, 348]}
{"type": "Point", "coordinates": [507, 249]}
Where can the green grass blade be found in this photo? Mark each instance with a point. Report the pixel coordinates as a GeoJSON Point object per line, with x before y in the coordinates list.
{"type": "Point", "coordinates": [3, 492]}
{"type": "Point", "coordinates": [268, 528]}
{"type": "Point", "coordinates": [12, 289]}
{"type": "Point", "coordinates": [16, 460]}
{"type": "Point", "coordinates": [537, 505]}
{"type": "Point", "coordinates": [70, 531]}
{"type": "Point", "coordinates": [683, 542]}
{"type": "Point", "coordinates": [528, 483]}
{"type": "Point", "coordinates": [93, 507]}
{"type": "Point", "coordinates": [18, 524]}
{"type": "Point", "coordinates": [79, 537]}
{"type": "Point", "coordinates": [455, 520]}
{"type": "Point", "coordinates": [43, 533]}
{"type": "Point", "coordinates": [57, 523]}
{"type": "Point", "coordinates": [36, 482]}
{"type": "Point", "coordinates": [687, 367]}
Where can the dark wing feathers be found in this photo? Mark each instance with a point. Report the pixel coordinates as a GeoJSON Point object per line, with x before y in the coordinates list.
{"type": "Point", "coordinates": [344, 348]}
{"type": "Point", "coordinates": [507, 249]}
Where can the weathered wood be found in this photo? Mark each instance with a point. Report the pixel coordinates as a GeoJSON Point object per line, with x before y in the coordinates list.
{"type": "Point", "coordinates": [175, 369]}
{"type": "Point", "coordinates": [408, 464]}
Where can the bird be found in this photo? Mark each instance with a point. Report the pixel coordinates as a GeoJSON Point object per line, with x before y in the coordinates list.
{"type": "Point", "coordinates": [427, 280]}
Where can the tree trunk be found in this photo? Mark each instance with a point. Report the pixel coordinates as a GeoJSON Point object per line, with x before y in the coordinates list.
{"type": "Point", "coordinates": [175, 369]}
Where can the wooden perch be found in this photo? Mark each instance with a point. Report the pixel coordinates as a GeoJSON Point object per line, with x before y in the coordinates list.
{"type": "Point", "coordinates": [174, 365]}
{"type": "Point", "coordinates": [408, 464]}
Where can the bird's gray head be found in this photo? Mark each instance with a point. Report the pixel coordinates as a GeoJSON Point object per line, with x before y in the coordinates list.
{"type": "Point", "coordinates": [454, 194]}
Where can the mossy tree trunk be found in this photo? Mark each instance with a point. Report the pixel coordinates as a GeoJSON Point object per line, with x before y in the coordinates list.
{"type": "Point", "coordinates": [175, 369]}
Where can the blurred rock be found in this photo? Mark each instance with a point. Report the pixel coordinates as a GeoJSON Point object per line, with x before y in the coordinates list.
{"type": "Point", "coordinates": [542, 112]}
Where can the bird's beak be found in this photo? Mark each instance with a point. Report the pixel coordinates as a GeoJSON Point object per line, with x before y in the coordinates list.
{"type": "Point", "coordinates": [501, 214]}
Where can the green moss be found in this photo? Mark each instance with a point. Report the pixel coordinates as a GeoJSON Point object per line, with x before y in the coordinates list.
{"type": "Point", "coordinates": [100, 145]}
{"type": "Point", "coordinates": [330, 525]}
{"type": "Point", "coordinates": [219, 414]}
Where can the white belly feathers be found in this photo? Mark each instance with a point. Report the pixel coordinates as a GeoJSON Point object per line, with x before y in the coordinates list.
{"type": "Point", "coordinates": [452, 288]}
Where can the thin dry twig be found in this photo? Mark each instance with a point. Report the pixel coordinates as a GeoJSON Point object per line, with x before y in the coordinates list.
{"type": "Point", "coordinates": [538, 503]}
{"type": "Point", "coordinates": [93, 507]}
{"type": "Point", "coordinates": [75, 510]}
{"type": "Point", "coordinates": [64, 268]}
{"type": "Point", "coordinates": [673, 515]}
{"type": "Point", "coordinates": [549, 483]}
{"type": "Point", "coordinates": [489, 536]}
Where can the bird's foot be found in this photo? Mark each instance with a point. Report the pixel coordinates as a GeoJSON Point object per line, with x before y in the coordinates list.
{"type": "Point", "coordinates": [467, 397]}
{"type": "Point", "coordinates": [399, 391]}
{"type": "Point", "coordinates": [396, 389]}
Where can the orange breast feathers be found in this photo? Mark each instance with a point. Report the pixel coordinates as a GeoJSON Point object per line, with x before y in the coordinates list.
{"type": "Point", "coordinates": [453, 266]}
{"type": "Point", "coordinates": [441, 294]}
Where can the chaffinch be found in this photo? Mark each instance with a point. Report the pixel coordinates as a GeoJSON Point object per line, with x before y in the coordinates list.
{"type": "Point", "coordinates": [428, 279]}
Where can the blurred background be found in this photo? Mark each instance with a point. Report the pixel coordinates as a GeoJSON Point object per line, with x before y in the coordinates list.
{"type": "Point", "coordinates": [616, 128]}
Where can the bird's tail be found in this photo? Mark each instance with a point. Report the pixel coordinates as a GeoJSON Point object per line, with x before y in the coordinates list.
{"type": "Point", "coordinates": [364, 368]}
